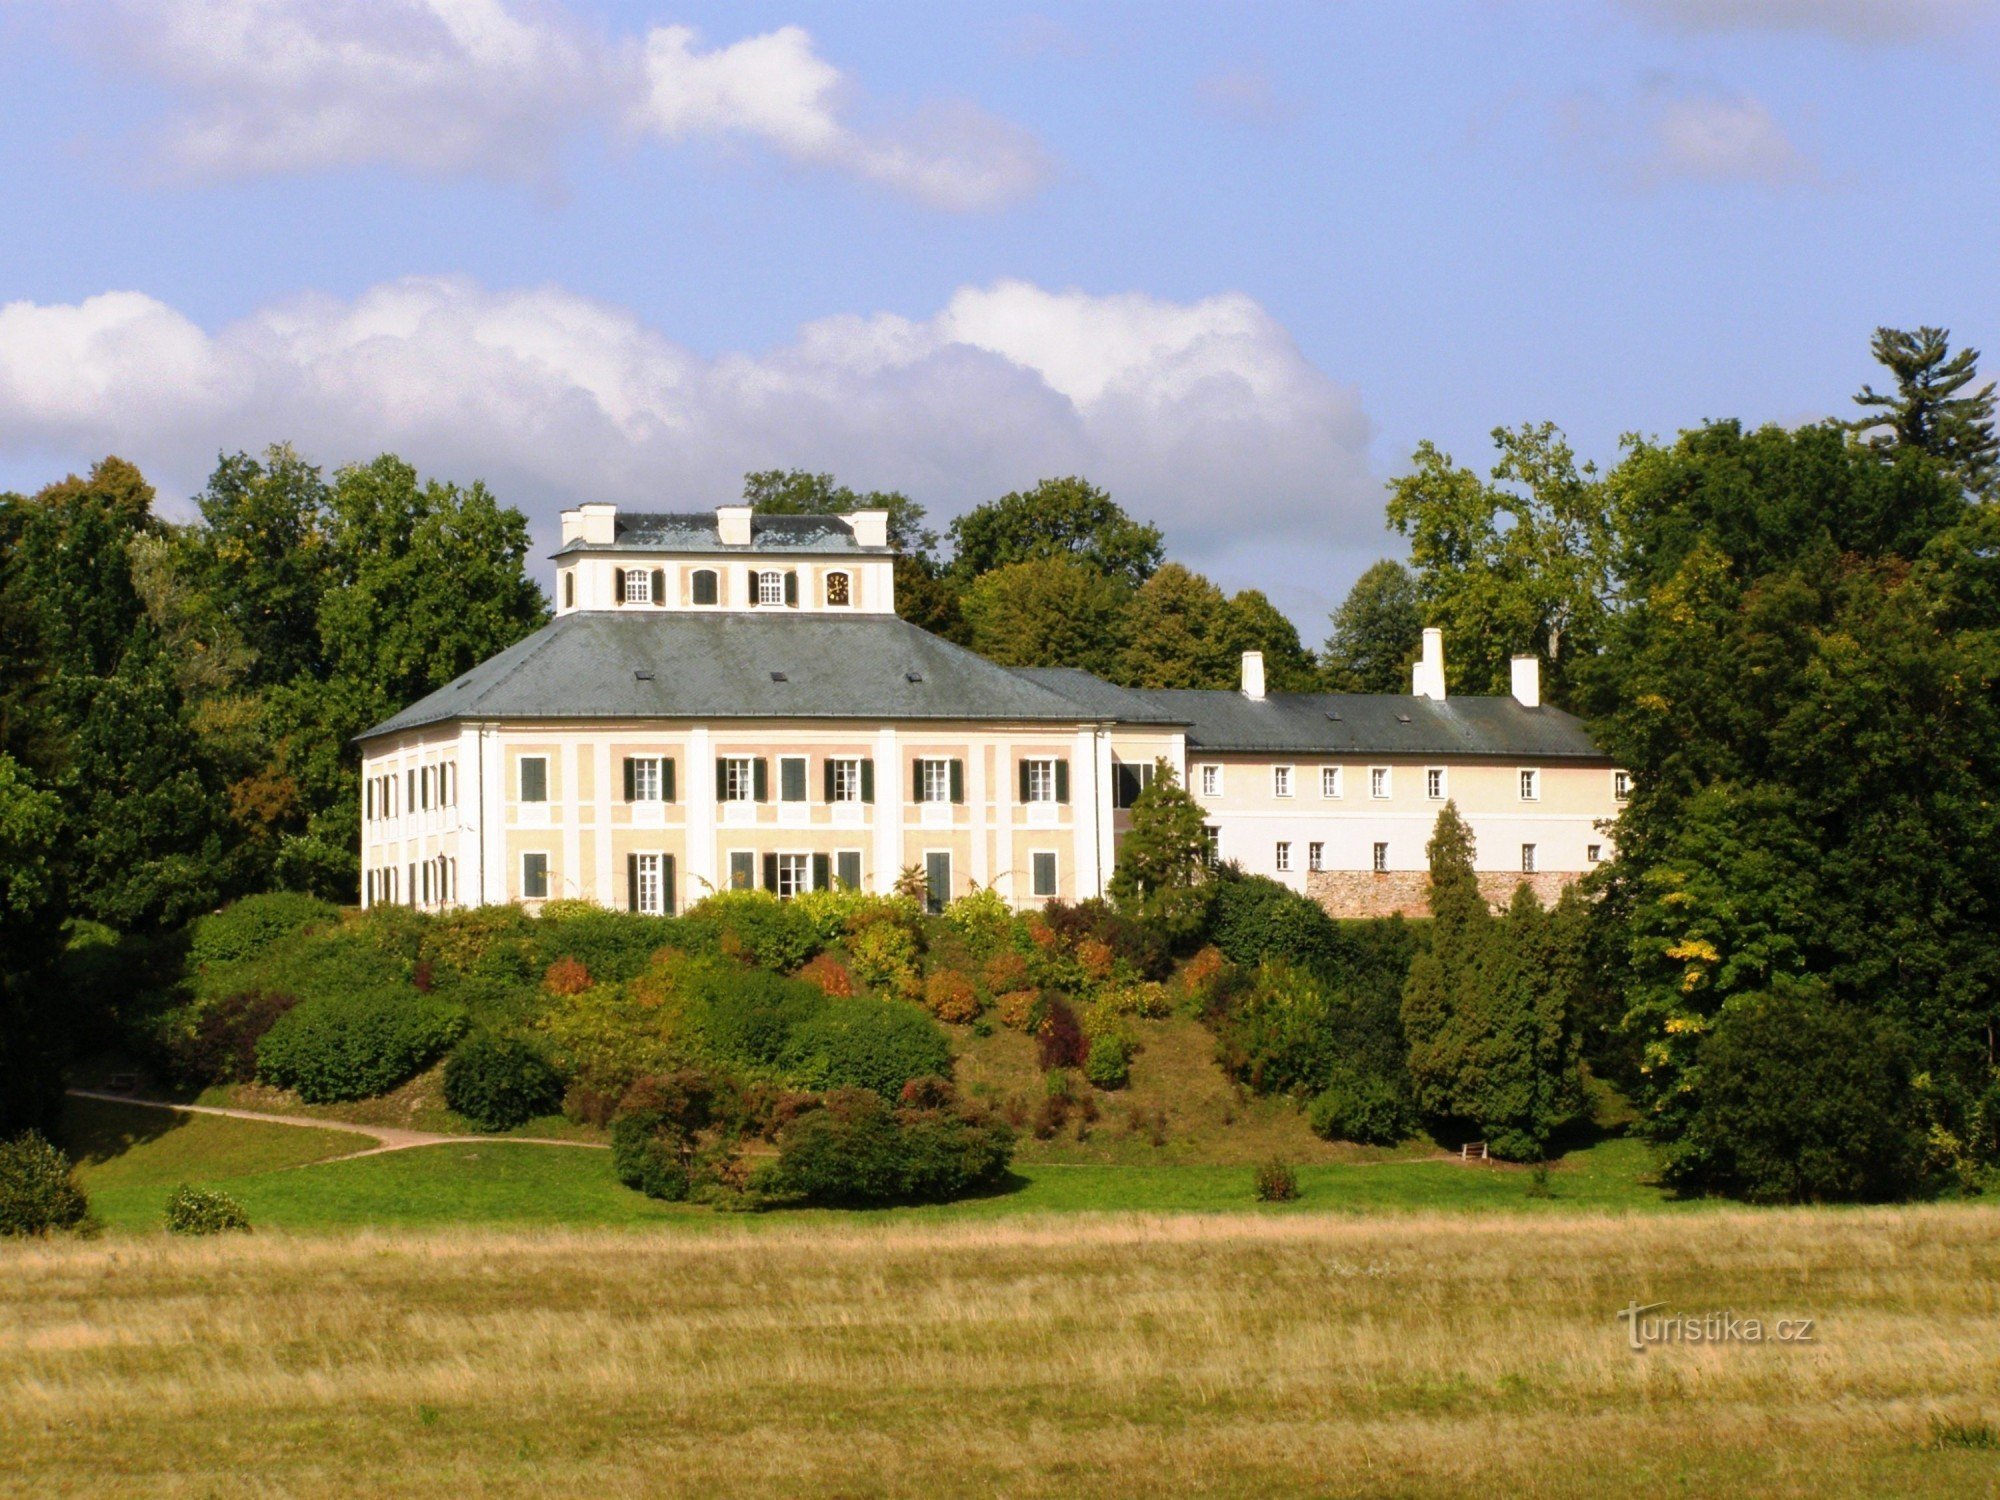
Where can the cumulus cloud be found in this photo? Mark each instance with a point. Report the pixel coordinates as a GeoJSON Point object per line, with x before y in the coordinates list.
{"type": "Point", "coordinates": [1849, 20]}
{"type": "Point", "coordinates": [262, 87]}
{"type": "Point", "coordinates": [1673, 132]}
{"type": "Point", "coordinates": [1203, 416]}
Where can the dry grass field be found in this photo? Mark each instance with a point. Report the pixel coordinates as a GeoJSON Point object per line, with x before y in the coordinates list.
{"type": "Point", "coordinates": [1241, 1354]}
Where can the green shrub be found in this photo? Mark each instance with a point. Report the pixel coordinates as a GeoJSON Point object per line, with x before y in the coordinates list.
{"type": "Point", "coordinates": [1796, 1100]}
{"type": "Point", "coordinates": [756, 926]}
{"type": "Point", "coordinates": [857, 1151]}
{"type": "Point", "coordinates": [247, 927]}
{"type": "Point", "coordinates": [220, 1046]}
{"type": "Point", "coordinates": [38, 1191]}
{"type": "Point", "coordinates": [354, 1046]}
{"type": "Point", "coordinates": [747, 1015]}
{"type": "Point", "coordinates": [983, 922]}
{"type": "Point", "coordinates": [612, 945]}
{"type": "Point", "coordinates": [487, 942]}
{"type": "Point", "coordinates": [605, 1039]}
{"type": "Point", "coordinates": [193, 1210]}
{"type": "Point", "coordinates": [498, 1082]}
{"type": "Point", "coordinates": [1276, 1182]}
{"type": "Point", "coordinates": [1286, 1029]}
{"type": "Point", "coordinates": [867, 1044]}
{"type": "Point", "coordinates": [655, 1139]}
{"type": "Point", "coordinates": [1363, 1108]}
{"type": "Point", "coordinates": [1109, 1065]}
{"type": "Point", "coordinates": [884, 956]}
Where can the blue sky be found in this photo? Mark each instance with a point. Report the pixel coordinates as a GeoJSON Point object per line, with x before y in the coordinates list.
{"type": "Point", "coordinates": [1232, 261]}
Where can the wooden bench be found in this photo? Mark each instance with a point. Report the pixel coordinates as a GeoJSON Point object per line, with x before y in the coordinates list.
{"type": "Point", "coordinates": [1473, 1151]}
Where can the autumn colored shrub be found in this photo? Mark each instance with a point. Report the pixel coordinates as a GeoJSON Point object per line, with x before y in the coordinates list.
{"type": "Point", "coordinates": [829, 974]}
{"type": "Point", "coordinates": [1006, 970]}
{"type": "Point", "coordinates": [1059, 1039]}
{"type": "Point", "coordinates": [1096, 958]}
{"type": "Point", "coordinates": [1014, 1008]}
{"type": "Point", "coordinates": [1276, 1182]}
{"type": "Point", "coordinates": [1201, 979]}
{"type": "Point", "coordinates": [950, 996]}
{"type": "Point", "coordinates": [566, 977]}
{"type": "Point", "coordinates": [222, 1047]}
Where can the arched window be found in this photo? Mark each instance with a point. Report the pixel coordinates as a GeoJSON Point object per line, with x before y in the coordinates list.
{"type": "Point", "coordinates": [770, 587]}
{"type": "Point", "coordinates": [569, 588]}
{"type": "Point", "coordinates": [705, 591]}
{"type": "Point", "coordinates": [839, 590]}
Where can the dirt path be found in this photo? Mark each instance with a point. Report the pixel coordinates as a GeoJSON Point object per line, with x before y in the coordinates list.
{"type": "Point", "coordinates": [386, 1137]}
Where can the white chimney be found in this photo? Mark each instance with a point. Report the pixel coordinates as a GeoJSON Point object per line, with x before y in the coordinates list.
{"type": "Point", "coordinates": [596, 522]}
{"type": "Point", "coordinates": [1253, 676]}
{"type": "Point", "coordinates": [1427, 676]}
{"type": "Point", "coordinates": [732, 525]}
{"type": "Point", "coordinates": [1528, 681]}
{"type": "Point", "coordinates": [870, 527]}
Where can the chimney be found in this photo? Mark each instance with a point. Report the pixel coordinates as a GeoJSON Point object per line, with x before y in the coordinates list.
{"type": "Point", "coordinates": [1253, 676]}
{"type": "Point", "coordinates": [1427, 676]}
{"type": "Point", "coordinates": [1528, 681]}
{"type": "Point", "coordinates": [870, 527]}
{"type": "Point", "coordinates": [732, 525]}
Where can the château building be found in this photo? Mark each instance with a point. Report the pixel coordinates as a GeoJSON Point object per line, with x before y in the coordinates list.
{"type": "Point", "coordinates": [729, 701]}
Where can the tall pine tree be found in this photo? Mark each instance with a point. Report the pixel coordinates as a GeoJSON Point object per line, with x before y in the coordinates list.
{"type": "Point", "coordinates": [1926, 412]}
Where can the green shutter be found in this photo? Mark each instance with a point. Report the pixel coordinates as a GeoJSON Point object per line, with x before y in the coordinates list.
{"type": "Point", "coordinates": [631, 780]}
{"type": "Point", "coordinates": [1024, 781]}
{"type": "Point", "coordinates": [721, 778]}
{"type": "Point", "coordinates": [849, 865]}
{"type": "Point", "coordinates": [667, 780]}
{"type": "Point", "coordinates": [916, 781]}
{"type": "Point", "coordinates": [668, 892]}
{"type": "Point", "coordinates": [792, 589]}
{"type": "Point", "coordinates": [760, 779]}
{"type": "Point", "coordinates": [822, 868]}
{"type": "Point", "coordinates": [617, 585]}
{"type": "Point", "coordinates": [1062, 781]}
{"type": "Point", "coordinates": [631, 878]}
{"type": "Point", "coordinates": [826, 779]}
{"type": "Point", "coordinates": [771, 873]}
{"type": "Point", "coordinates": [659, 586]}
{"type": "Point", "coordinates": [958, 781]}
{"type": "Point", "coordinates": [868, 781]}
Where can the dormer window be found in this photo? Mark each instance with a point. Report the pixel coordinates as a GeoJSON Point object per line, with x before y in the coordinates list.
{"type": "Point", "coordinates": [839, 591]}
{"type": "Point", "coordinates": [638, 586]}
{"type": "Point", "coordinates": [770, 588]}
{"type": "Point", "coordinates": [705, 586]}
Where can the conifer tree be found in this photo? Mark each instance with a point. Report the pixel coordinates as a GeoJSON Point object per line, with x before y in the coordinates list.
{"type": "Point", "coordinates": [1926, 411]}
{"type": "Point", "coordinates": [1163, 858]}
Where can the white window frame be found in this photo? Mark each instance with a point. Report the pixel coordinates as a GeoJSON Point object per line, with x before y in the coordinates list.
{"type": "Point", "coordinates": [548, 874]}
{"type": "Point", "coordinates": [739, 778]}
{"type": "Point", "coordinates": [1379, 860]}
{"type": "Point", "coordinates": [1055, 874]}
{"type": "Point", "coordinates": [1212, 836]}
{"type": "Point", "coordinates": [770, 586]}
{"type": "Point", "coordinates": [1436, 786]}
{"type": "Point", "coordinates": [934, 776]}
{"type": "Point", "coordinates": [1329, 782]}
{"type": "Point", "coordinates": [846, 777]}
{"type": "Point", "coordinates": [1530, 783]}
{"type": "Point", "coordinates": [794, 869]}
{"type": "Point", "coordinates": [1315, 856]}
{"type": "Point", "coordinates": [1528, 859]}
{"type": "Point", "coordinates": [652, 868]}
{"type": "Point", "coordinates": [648, 778]}
{"type": "Point", "coordinates": [1281, 781]}
{"type": "Point", "coordinates": [1281, 856]}
{"type": "Point", "coordinates": [1621, 786]}
{"type": "Point", "coordinates": [521, 780]}
{"type": "Point", "coordinates": [1381, 783]}
{"type": "Point", "coordinates": [1593, 854]}
{"type": "Point", "coordinates": [1211, 781]}
{"type": "Point", "coordinates": [1041, 778]}
{"type": "Point", "coordinates": [638, 586]}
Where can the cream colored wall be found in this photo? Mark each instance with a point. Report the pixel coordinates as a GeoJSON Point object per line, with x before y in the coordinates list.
{"type": "Point", "coordinates": [414, 835]}
{"type": "Point", "coordinates": [872, 581]}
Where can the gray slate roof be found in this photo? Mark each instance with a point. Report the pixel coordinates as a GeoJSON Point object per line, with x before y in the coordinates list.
{"type": "Point", "coordinates": [1374, 724]}
{"type": "Point", "coordinates": [665, 531]}
{"type": "Point", "coordinates": [584, 666]}
{"type": "Point", "coordinates": [1100, 699]}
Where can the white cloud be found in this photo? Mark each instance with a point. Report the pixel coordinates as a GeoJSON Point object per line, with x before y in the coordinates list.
{"type": "Point", "coordinates": [1849, 20]}
{"type": "Point", "coordinates": [261, 87]}
{"type": "Point", "coordinates": [1673, 132]}
{"type": "Point", "coordinates": [1203, 416]}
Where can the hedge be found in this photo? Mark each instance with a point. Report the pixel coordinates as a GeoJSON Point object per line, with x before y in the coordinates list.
{"type": "Point", "coordinates": [868, 1044]}
{"type": "Point", "coordinates": [342, 1046]}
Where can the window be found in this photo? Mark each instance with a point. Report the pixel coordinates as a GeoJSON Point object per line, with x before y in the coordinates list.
{"type": "Point", "coordinates": [1211, 781]}
{"type": "Point", "coordinates": [770, 587]}
{"type": "Point", "coordinates": [1284, 856]}
{"type": "Point", "coordinates": [1434, 784]}
{"type": "Point", "coordinates": [1593, 853]}
{"type": "Point", "coordinates": [742, 870]}
{"type": "Point", "coordinates": [410, 891]}
{"type": "Point", "coordinates": [1531, 785]}
{"type": "Point", "coordinates": [1212, 839]}
{"type": "Point", "coordinates": [705, 590]}
{"type": "Point", "coordinates": [1038, 781]}
{"type": "Point", "coordinates": [1281, 781]}
{"type": "Point", "coordinates": [410, 790]}
{"type": "Point", "coordinates": [1527, 859]}
{"type": "Point", "coordinates": [448, 784]}
{"type": "Point", "coordinates": [939, 780]}
{"type": "Point", "coordinates": [638, 586]}
{"type": "Point", "coordinates": [643, 779]}
{"type": "Point", "coordinates": [937, 880]}
{"type": "Point", "coordinates": [1315, 856]}
{"type": "Point", "coordinates": [739, 778]}
{"type": "Point", "coordinates": [1381, 859]}
{"type": "Point", "coordinates": [794, 875]}
{"type": "Point", "coordinates": [1329, 781]}
{"type": "Point", "coordinates": [534, 778]}
{"type": "Point", "coordinates": [792, 778]}
{"type": "Point", "coordinates": [1378, 782]}
{"type": "Point", "coordinates": [569, 588]}
{"type": "Point", "coordinates": [847, 869]}
{"type": "Point", "coordinates": [1128, 781]}
{"type": "Point", "coordinates": [534, 877]}
{"type": "Point", "coordinates": [1621, 785]}
{"type": "Point", "coordinates": [839, 590]}
{"type": "Point", "coordinates": [647, 878]}
{"type": "Point", "coordinates": [843, 780]}
{"type": "Point", "coordinates": [424, 882]}
{"type": "Point", "coordinates": [1042, 868]}
{"type": "Point", "coordinates": [368, 802]}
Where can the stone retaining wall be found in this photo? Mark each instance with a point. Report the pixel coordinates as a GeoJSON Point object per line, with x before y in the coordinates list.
{"type": "Point", "coordinates": [1364, 893]}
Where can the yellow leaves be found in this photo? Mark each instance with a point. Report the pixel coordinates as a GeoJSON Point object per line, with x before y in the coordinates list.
{"type": "Point", "coordinates": [1686, 1025]}
{"type": "Point", "coordinates": [1653, 703]}
{"type": "Point", "coordinates": [1694, 950]}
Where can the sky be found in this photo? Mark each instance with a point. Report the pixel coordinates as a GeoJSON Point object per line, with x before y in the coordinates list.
{"type": "Point", "coordinates": [1232, 262]}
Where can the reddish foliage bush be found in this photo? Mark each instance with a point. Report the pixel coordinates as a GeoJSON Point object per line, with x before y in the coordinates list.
{"type": "Point", "coordinates": [565, 977]}
{"type": "Point", "coordinates": [1014, 1008]}
{"type": "Point", "coordinates": [1202, 977]}
{"type": "Point", "coordinates": [584, 1105]}
{"type": "Point", "coordinates": [1096, 956]}
{"type": "Point", "coordinates": [223, 1047]}
{"type": "Point", "coordinates": [950, 996]}
{"type": "Point", "coordinates": [1059, 1040]}
{"type": "Point", "coordinates": [929, 1092]}
{"type": "Point", "coordinates": [421, 977]}
{"type": "Point", "coordinates": [1005, 971]}
{"type": "Point", "coordinates": [829, 974]}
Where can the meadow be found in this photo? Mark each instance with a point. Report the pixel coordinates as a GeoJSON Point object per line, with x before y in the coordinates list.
{"type": "Point", "coordinates": [1305, 1353]}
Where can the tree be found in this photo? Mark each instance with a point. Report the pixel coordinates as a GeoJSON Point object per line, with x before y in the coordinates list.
{"type": "Point", "coordinates": [34, 1042]}
{"type": "Point", "coordinates": [796, 492]}
{"type": "Point", "coordinates": [1068, 519]}
{"type": "Point", "coordinates": [1377, 632]}
{"type": "Point", "coordinates": [1253, 623]}
{"type": "Point", "coordinates": [1926, 413]}
{"type": "Point", "coordinates": [1515, 566]}
{"type": "Point", "coordinates": [1176, 633]}
{"type": "Point", "coordinates": [1162, 865]}
{"type": "Point", "coordinates": [261, 557]}
{"type": "Point", "coordinates": [1047, 613]}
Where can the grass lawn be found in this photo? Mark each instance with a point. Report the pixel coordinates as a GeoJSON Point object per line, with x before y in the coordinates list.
{"type": "Point", "coordinates": [1417, 1354]}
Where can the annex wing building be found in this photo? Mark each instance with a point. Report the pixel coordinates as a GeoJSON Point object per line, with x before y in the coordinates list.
{"type": "Point", "coordinates": [729, 701]}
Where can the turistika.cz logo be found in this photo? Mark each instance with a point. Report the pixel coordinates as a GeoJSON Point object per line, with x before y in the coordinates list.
{"type": "Point", "coordinates": [1646, 1326]}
